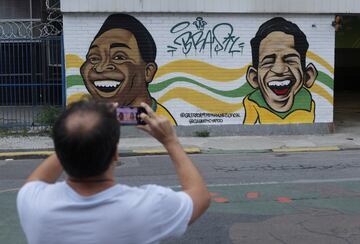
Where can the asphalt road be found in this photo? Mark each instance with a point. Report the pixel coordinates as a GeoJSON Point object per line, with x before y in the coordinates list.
{"type": "Point", "coordinates": [257, 197]}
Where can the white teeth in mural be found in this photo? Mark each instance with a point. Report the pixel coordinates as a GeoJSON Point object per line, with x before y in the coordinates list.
{"type": "Point", "coordinates": [107, 83]}
{"type": "Point", "coordinates": [279, 83]}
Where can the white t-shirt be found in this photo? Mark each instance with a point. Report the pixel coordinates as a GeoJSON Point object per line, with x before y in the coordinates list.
{"type": "Point", "coordinates": [56, 214]}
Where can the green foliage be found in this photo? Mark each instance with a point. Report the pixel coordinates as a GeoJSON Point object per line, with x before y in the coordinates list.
{"type": "Point", "coordinates": [202, 133]}
{"type": "Point", "coordinates": [16, 132]}
{"type": "Point", "coordinates": [48, 115]}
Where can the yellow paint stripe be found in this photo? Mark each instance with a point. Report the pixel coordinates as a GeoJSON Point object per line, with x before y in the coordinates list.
{"type": "Point", "coordinates": [192, 67]}
{"type": "Point", "coordinates": [322, 92]}
{"type": "Point", "coordinates": [32, 153]}
{"type": "Point", "coordinates": [73, 61]}
{"type": "Point", "coordinates": [162, 150]}
{"type": "Point", "coordinates": [320, 60]}
{"type": "Point", "coordinates": [305, 149]}
{"type": "Point", "coordinates": [201, 69]}
{"type": "Point", "coordinates": [200, 100]}
{"type": "Point", "coordinates": [77, 97]}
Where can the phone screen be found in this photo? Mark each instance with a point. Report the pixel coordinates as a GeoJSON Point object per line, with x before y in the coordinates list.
{"type": "Point", "coordinates": [130, 115]}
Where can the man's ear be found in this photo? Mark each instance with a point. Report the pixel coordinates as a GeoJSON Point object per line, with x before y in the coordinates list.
{"type": "Point", "coordinates": [252, 77]}
{"type": "Point", "coordinates": [310, 75]}
{"type": "Point", "coordinates": [150, 71]}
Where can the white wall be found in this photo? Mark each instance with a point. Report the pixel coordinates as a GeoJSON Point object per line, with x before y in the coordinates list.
{"type": "Point", "coordinates": [213, 6]}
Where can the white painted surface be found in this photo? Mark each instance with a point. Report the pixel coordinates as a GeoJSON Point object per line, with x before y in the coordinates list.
{"type": "Point", "coordinates": [213, 6]}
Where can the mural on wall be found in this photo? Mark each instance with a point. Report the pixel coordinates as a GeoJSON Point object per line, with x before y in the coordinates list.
{"type": "Point", "coordinates": [203, 69]}
{"type": "Point", "coordinates": [280, 76]}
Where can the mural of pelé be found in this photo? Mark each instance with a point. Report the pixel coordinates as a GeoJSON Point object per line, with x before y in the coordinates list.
{"type": "Point", "coordinates": [280, 76]}
{"type": "Point", "coordinates": [120, 64]}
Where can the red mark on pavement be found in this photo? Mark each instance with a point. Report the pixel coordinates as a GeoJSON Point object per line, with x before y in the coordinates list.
{"type": "Point", "coordinates": [213, 194]}
{"type": "Point", "coordinates": [284, 200]}
{"type": "Point", "coordinates": [221, 200]}
{"type": "Point", "coordinates": [252, 195]}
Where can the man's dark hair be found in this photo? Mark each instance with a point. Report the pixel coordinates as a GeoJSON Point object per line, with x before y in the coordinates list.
{"type": "Point", "coordinates": [85, 138]}
{"type": "Point", "coordinates": [145, 41]}
{"type": "Point", "coordinates": [279, 24]}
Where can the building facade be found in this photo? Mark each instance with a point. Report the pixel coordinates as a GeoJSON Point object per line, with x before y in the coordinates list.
{"type": "Point", "coordinates": [213, 62]}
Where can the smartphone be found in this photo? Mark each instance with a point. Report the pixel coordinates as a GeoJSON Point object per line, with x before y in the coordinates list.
{"type": "Point", "coordinates": [130, 115]}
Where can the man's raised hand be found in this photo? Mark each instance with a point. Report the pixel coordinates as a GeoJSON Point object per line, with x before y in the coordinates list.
{"type": "Point", "coordinates": [157, 126]}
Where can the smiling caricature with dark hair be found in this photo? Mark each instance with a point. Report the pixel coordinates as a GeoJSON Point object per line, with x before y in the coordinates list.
{"type": "Point", "coordinates": [280, 76]}
{"type": "Point", "coordinates": [120, 64]}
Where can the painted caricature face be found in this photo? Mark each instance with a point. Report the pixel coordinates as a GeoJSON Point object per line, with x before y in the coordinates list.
{"type": "Point", "coordinates": [279, 72]}
{"type": "Point", "coordinates": [114, 69]}
{"type": "Point", "coordinates": [280, 75]}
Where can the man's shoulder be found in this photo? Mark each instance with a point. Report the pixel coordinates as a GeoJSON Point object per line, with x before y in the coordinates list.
{"type": "Point", "coordinates": [155, 195]}
{"type": "Point", "coordinates": [35, 186]}
{"type": "Point", "coordinates": [34, 189]}
{"type": "Point", "coordinates": [147, 190]}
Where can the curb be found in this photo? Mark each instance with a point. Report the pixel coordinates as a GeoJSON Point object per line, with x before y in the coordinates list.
{"type": "Point", "coordinates": [163, 150]}
{"type": "Point", "coordinates": [8, 155]}
{"type": "Point", "coordinates": [22, 154]}
{"type": "Point", "coordinates": [25, 154]}
{"type": "Point", "coordinates": [306, 149]}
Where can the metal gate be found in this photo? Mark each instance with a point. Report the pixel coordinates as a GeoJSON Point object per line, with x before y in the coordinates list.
{"type": "Point", "coordinates": [31, 81]}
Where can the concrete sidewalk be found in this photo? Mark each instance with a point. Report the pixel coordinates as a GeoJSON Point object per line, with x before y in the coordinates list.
{"type": "Point", "coordinates": [35, 146]}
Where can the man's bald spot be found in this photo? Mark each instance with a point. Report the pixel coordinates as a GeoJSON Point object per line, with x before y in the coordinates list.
{"type": "Point", "coordinates": [82, 121]}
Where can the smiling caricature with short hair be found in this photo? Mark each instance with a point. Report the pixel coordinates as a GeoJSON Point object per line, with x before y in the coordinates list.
{"type": "Point", "coordinates": [280, 76]}
{"type": "Point", "coordinates": [120, 64]}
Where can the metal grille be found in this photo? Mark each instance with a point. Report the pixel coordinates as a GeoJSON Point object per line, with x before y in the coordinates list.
{"type": "Point", "coordinates": [31, 81]}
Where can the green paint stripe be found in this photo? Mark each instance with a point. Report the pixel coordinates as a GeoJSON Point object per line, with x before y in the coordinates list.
{"type": "Point", "coordinates": [74, 80]}
{"type": "Point", "coordinates": [325, 79]}
{"type": "Point", "coordinates": [238, 92]}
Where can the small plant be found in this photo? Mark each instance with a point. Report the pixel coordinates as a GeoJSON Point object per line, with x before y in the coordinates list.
{"type": "Point", "coordinates": [14, 132]}
{"type": "Point", "coordinates": [202, 133]}
{"type": "Point", "coordinates": [5, 132]}
{"type": "Point", "coordinates": [48, 115]}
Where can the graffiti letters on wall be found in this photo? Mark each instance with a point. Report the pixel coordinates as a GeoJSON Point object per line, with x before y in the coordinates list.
{"type": "Point", "coordinates": [194, 72]}
{"type": "Point", "coordinates": [197, 37]}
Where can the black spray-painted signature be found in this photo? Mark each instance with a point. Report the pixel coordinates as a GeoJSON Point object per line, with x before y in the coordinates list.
{"type": "Point", "coordinates": [218, 39]}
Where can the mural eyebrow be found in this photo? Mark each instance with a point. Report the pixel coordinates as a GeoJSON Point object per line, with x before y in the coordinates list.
{"type": "Point", "coordinates": [93, 46]}
{"type": "Point", "coordinates": [291, 55]}
{"type": "Point", "coordinates": [113, 45]}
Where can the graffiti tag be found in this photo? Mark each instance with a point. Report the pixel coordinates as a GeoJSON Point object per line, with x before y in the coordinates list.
{"type": "Point", "coordinates": [220, 38]}
{"type": "Point", "coordinates": [208, 118]}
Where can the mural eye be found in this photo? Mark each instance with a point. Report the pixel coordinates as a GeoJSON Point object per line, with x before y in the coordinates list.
{"type": "Point", "coordinates": [94, 59]}
{"type": "Point", "coordinates": [267, 64]}
{"type": "Point", "coordinates": [119, 57]}
{"type": "Point", "coordinates": [291, 61]}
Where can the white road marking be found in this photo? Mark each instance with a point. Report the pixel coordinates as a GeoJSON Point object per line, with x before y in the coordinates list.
{"type": "Point", "coordinates": [281, 182]}
{"type": "Point", "coordinates": [254, 183]}
{"type": "Point", "coordinates": [9, 190]}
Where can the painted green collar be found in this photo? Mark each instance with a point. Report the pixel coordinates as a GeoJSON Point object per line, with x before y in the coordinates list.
{"type": "Point", "coordinates": [153, 104]}
{"type": "Point", "coordinates": [302, 102]}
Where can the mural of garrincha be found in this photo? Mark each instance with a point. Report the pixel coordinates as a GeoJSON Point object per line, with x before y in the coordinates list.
{"type": "Point", "coordinates": [280, 76]}
{"type": "Point", "coordinates": [120, 64]}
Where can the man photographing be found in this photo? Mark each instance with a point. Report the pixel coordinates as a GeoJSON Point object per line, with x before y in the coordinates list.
{"type": "Point", "coordinates": [89, 207]}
